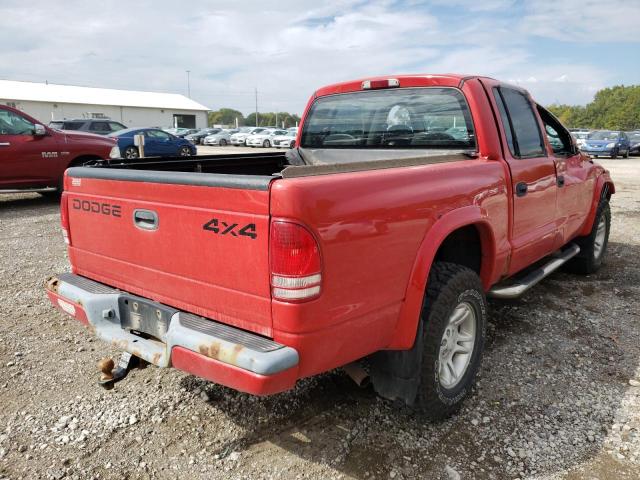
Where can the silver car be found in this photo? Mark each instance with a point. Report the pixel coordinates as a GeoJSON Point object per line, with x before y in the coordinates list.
{"type": "Point", "coordinates": [222, 138]}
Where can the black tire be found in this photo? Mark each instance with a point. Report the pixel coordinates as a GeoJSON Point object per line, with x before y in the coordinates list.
{"type": "Point", "coordinates": [591, 258]}
{"type": "Point", "coordinates": [222, 142]}
{"type": "Point", "coordinates": [184, 151]}
{"type": "Point", "coordinates": [626, 154]}
{"type": "Point", "coordinates": [614, 154]}
{"type": "Point", "coordinates": [266, 144]}
{"type": "Point", "coordinates": [131, 153]}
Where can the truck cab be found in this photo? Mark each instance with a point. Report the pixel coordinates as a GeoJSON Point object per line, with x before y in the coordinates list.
{"type": "Point", "coordinates": [34, 157]}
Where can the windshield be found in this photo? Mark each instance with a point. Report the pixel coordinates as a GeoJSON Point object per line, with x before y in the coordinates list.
{"type": "Point", "coordinates": [603, 135]}
{"type": "Point", "coordinates": [402, 118]}
{"type": "Point", "coordinates": [580, 135]}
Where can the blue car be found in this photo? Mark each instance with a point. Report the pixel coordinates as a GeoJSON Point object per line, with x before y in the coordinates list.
{"type": "Point", "coordinates": [157, 143]}
{"type": "Point", "coordinates": [607, 143]}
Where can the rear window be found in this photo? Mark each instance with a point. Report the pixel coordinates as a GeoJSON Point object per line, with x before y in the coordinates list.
{"type": "Point", "coordinates": [402, 118]}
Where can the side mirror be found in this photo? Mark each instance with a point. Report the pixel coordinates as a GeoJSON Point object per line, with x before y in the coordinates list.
{"type": "Point", "coordinates": [39, 130]}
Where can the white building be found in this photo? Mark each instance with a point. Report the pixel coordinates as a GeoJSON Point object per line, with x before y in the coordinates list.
{"type": "Point", "coordinates": [46, 102]}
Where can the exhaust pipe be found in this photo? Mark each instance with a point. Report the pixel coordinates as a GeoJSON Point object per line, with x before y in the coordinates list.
{"type": "Point", "coordinates": [357, 374]}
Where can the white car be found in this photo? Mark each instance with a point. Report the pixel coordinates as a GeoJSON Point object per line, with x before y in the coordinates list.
{"type": "Point", "coordinates": [264, 138]}
{"type": "Point", "coordinates": [239, 139]}
{"type": "Point", "coordinates": [581, 137]}
{"type": "Point", "coordinates": [284, 141]}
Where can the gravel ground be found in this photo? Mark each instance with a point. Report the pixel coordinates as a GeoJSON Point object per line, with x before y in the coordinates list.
{"type": "Point", "coordinates": [558, 396]}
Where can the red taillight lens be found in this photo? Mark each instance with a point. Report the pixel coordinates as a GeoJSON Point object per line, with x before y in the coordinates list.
{"type": "Point", "coordinates": [296, 267]}
{"type": "Point", "coordinates": [64, 218]}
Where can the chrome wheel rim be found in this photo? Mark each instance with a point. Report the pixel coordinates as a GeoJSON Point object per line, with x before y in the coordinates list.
{"type": "Point", "coordinates": [601, 234]}
{"type": "Point", "coordinates": [185, 152]}
{"type": "Point", "coordinates": [456, 346]}
{"type": "Point", "coordinates": [131, 154]}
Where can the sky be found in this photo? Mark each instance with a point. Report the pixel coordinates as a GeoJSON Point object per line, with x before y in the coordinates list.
{"type": "Point", "coordinates": [562, 51]}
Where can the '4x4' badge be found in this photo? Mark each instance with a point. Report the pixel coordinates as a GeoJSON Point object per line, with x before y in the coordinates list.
{"type": "Point", "coordinates": [223, 228]}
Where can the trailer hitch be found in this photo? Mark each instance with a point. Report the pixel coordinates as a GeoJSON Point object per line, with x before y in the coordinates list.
{"type": "Point", "coordinates": [110, 375]}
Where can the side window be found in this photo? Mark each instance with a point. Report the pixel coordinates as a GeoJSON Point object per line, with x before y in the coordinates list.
{"type": "Point", "coordinates": [115, 126]}
{"type": "Point", "coordinates": [101, 127]}
{"type": "Point", "coordinates": [158, 135]}
{"type": "Point", "coordinates": [527, 140]}
{"type": "Point", "coordinates": [506, 124]}
{"type": "Point", "coordinates": [14, 124]}
{"type": "Point", "coordinates": [558, 136]}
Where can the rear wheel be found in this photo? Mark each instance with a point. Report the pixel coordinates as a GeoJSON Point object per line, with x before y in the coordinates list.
{"type": "Point", "coordinates": [184, 151]}
{"type": "Point", "coordinates": [593, 247]}
{"type": "Point", "coordinates": [131, 153]}
{"type": "Point", "coordinates": [266, 144]}
{"type": "Point", "coordinates": [223, 142]}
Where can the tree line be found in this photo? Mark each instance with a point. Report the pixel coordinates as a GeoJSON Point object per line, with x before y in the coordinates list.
{"type": "Point", "coordinates": [614, 108]}
{"type": "Point", "coordinates": [228, 116]}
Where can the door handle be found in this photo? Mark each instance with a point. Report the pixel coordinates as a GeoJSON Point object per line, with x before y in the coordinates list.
{"type": "Point", "coordinates": [560, 181]}
{"type": "Point", "coordinates": [145, 219]}
{"type": "Point", "coordinates": [521, 189]}
{"type": "Point", "coordinates": [5, 144]}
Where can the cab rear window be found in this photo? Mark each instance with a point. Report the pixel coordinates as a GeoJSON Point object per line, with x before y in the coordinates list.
{"type": "Point", "coordinates": [420, 118]}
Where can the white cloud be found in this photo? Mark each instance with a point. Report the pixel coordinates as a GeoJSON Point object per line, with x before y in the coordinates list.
{"type": "Point", "coordinates": [289, 48]}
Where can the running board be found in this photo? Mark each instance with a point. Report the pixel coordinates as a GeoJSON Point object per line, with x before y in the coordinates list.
{"type": "Point", "coordinates": [513, 288]}
{"type": "Point", "coordinates": [30, 190]}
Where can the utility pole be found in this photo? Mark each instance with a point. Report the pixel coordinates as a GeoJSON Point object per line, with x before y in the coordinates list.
{"type": "Point", "coordinates": [256, 106]}
{"type": "Point", "coordinates": [188, 84]}
{"type": "Point", "coordinates": [276, 118]}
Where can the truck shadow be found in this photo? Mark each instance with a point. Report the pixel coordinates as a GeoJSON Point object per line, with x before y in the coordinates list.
{"type": "Point", "coordinates": [555, 371]}
{"type": "Point", "coordinates": [27, 205]}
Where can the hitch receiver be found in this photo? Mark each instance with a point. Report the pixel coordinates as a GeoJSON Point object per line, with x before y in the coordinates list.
{"type": "Point", "coordinates": [110, 375]}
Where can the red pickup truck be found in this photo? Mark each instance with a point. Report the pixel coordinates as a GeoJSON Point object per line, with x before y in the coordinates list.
{"type": "Point", "coordinates": [406, 202]}
{"type": "Point", "coordinates": [34, 157]}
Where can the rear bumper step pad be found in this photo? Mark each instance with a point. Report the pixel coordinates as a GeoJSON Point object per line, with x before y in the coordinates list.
{"type": "Point", "coordinates": [214, 345]}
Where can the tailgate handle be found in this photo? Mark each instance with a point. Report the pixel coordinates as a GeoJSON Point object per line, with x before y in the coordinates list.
{"type": "Point", "coordinates": [145, 219]}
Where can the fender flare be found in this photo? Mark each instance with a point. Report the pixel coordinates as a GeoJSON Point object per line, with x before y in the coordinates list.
{"type": "Point", "coordinates": [406, 327]}
{"type": "Point", "coordinates": [604, 186]}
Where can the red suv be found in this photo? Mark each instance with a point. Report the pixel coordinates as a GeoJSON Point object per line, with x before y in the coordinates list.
{"type": "Point", "coordinates": [34, 157]}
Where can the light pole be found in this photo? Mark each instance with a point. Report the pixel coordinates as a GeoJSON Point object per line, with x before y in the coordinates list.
{"type": "Point", "coordinates": [188, 84]}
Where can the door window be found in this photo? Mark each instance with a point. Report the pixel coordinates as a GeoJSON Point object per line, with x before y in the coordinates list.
{"type": "Point", "coordinates": [13, 124]}
{"type": "Point", "coordinates": [115, 126]}
{"type": "Point", "coordinates": [558, 136]}
{"type": "Point", "coordinates": [518, 117]}
{"type": "Point", "coordinates": [158, 135]}
{"type": "Point", "coordinates": [100, 127]}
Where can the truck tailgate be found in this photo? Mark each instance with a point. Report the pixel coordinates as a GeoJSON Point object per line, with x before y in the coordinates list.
{"type": "Point", "coordinates": [194, 241]}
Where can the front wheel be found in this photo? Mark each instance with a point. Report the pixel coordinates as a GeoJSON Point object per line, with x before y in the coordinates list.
{"type": "Point", "coordinates": [266, 144]}
{"type": "Point", "coordinates": [131, 153]}
{"type": "Point", "coordinates": [593, 247]}
{"type": "Point", "coordinates": [614, 154]}
{"type": "Point", "coordinates": [184, 151]}
{"type": "Point", "coordinates": [223, 142]}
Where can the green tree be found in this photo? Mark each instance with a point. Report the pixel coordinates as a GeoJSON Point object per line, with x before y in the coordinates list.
{"type": "Point", "coordinates": [614, 108]}
{"type": "Point", "coordinates": [226, 116]}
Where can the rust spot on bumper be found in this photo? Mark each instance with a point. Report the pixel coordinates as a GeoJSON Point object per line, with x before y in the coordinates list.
{"type": "Point", "coordinates": [218, 351]}
{"type": "Point", "coordinates": [52, 284]}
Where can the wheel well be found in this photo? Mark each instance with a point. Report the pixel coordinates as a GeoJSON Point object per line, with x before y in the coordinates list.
{"type": "Point", "coordinates": [462, 246]}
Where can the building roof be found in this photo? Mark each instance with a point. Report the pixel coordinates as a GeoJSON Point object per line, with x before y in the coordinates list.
{"type": "Point", "coordinates": [49, 92]}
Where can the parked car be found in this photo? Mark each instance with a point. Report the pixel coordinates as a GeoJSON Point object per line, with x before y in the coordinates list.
{"type": "Point", "coordinates": [34, 157]}
{"type": "Point", "coordinates": [198, 137]}
{"type": "Point", "coordinates": [284, 141]}
{"type": "Point", "coordinates": [372, 240]}
{"type": "Point", "coordinates": [634, 143]}
{"type": "Point", "coordinates": [581, 137]}
{"type": "Point", "coordinates": [157, 143]}
{"type": "Point", "coordinates": [264, 138]}
{"type": "Point", "coordinates": [240, 138]}
{"type": "Point", "coordinates": [183, 132]}
{"type": "Point", "coordinates": [222, 138]}
{"type": "Point", "coordinates": [607, 143]}
{"type": "Point", "coordinates": [92, 125]}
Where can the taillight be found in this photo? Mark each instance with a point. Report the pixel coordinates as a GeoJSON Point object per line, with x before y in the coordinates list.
{"type": "Point", "coordinates": [296, 267]}
{"type": "Point", "coordinates": [64, 218]}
